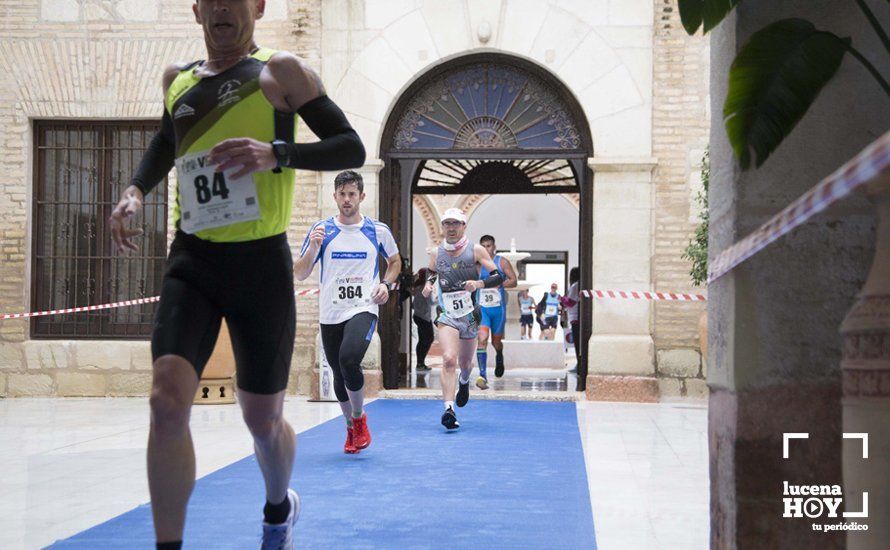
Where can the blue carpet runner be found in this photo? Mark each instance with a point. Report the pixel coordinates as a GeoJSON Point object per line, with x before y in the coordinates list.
{"type": "Point", "coordinates": [513, 476]}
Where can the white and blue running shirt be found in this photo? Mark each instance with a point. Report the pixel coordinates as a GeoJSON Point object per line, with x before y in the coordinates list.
{"type": "Point", "coordinates": [349, 266]}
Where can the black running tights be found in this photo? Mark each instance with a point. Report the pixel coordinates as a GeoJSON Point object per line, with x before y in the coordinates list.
{"type": "Point", "coordinates": [424, 338]}
{"type": "Point", "coordinates": [345, 345]}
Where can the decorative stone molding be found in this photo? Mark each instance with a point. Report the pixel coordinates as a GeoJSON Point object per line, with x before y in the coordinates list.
{"type": "Point", "coordinates": [470, 203]}
{"type": "Point", "coordinates": [430, 216]}
{"type": "Point", "coordinates": [866, 329]}
{"type": "Point", "coordinates": [374, 165]}
{"type": "Point", "coordinates": [437, 115]}
{"type": "Point", "coordinates": [866, 381]}
{"type": "Point", "coordinates": [622, 164]}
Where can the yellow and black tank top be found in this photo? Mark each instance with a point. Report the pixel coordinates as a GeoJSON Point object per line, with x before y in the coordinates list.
{"type": "Point", "coordinates": [208, 110]}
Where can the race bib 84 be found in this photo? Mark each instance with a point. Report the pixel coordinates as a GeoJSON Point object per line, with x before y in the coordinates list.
{"type": "Point", "coordinates": [211, 199]}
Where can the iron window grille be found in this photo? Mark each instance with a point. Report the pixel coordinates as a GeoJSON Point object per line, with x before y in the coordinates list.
{"type": "Point", "coordinates": [80, 169]}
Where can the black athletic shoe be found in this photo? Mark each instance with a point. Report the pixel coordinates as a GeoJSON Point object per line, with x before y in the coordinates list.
{"type": "Point", "coordinates": [423, 368]}
{"type": "Point", "coordinates": [449, 419]}
{"type": "Point", "coordinates": [463, 393]}
{"type": "Point", "coordinates": [499, 365]}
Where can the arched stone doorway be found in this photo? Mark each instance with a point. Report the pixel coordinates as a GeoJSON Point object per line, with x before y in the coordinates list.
{"type": "Point", "coordinates": [484, 124]}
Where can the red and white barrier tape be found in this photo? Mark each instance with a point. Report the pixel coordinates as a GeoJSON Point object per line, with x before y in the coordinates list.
{"type": "Point", "coordinates": [306, 292]}
{"type": "Point", "coordinates": [627, 294]}
{"type": "Point", "coordinates": [872, 161]}
{"type": "Point", "coordinates": [640, 295]}
{"type": "Point", "coordinates": [125, 303]}
{"type": "Point", "coordinates": [79, 309]}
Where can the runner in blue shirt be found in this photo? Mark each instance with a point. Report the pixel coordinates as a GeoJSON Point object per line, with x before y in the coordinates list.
{"type": "Point", "coordinates": [493, 305]}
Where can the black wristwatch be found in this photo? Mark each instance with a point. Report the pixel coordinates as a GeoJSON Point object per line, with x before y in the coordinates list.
{"type": "Point", "coordinates": [281, 152]}
{"type": "Point", "coordinates": [390, 286]}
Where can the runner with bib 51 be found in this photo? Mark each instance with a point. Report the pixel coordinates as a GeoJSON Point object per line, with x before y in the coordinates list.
{"type": "Point", "coordinates": [454, 266]}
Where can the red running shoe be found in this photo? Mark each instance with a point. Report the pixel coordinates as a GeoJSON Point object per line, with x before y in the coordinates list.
{"type": "Point", "coordinates": [349, 447]}
{"type": "Point", "coordinates": [360, 434]}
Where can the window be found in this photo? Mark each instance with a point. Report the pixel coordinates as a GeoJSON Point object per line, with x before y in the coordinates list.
{"type": "Point", "coordinates": [80, 169]}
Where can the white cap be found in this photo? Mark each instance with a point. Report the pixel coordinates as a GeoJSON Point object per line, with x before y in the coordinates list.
{"type": "Point", "coordinates": [454, 214]}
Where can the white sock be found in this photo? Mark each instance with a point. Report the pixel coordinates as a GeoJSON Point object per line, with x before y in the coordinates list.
{"type": "Point", "coordinates": [449, 404]}
{"type": "Point", "coordinates": [462, 381]}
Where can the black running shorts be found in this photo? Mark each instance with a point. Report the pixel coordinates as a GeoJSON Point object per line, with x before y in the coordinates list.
{"type": "Point", "coordinates": [251, 285]}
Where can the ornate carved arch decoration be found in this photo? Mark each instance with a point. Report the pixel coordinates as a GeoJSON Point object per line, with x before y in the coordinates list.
{"type": "Point", "coordinates": [430, 216]}
{"type": "Point", "coordinates": [489, 101]}
{"type": "Point", "coordinates": [470, 203]}
{"type": "Point", "coordinates": [574, 199]}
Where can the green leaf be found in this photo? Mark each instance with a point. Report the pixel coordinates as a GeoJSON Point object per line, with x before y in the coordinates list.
{"type": "Point", "coordinates": [697, 249]}
{"type": "Point", "coordinates": [711, 12]}
{"type": "Point", "coordinates": [773, 81]}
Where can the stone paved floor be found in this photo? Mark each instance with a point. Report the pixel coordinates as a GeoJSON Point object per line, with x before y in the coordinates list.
{"type": "Point", "coordinates": [514, 380]}
{"type": "Point", "coordinates": [69, 464]}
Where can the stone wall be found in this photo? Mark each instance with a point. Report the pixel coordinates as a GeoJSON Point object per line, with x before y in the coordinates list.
{"type": "Point", "coordinates": [627, 62]}
{"type": "Point", "coordinates": [83, 59]}
{"type": "Point", "coordinates": [680, 123]}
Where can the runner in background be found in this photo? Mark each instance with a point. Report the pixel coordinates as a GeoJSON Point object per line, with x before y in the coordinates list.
{"type": "Point", "coordinates": [548, 312]}
{"type": "Point", "coordinates": [526, 315]}
{"type": "Point", "coordinates": [570, 304]}
{"type": "Point", "coordinates": [493, 306]}
{"type": "Point", "coordinates": [423, 318]}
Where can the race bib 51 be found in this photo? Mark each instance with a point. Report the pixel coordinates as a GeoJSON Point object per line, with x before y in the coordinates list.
{"type": "Point", "coordinates": [457, 304]}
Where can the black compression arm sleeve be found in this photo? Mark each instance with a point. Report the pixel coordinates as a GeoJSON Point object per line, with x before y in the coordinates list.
{"type": "Point", "coordinates": [158, 158]}
{"type": "Point", "coordinates": [495, 278]}
{"type": "Point", "coordinates": [340, 147]}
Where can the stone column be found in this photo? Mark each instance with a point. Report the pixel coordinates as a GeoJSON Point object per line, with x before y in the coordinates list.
{"type": "Point", "coordinates": [774, 364]}
{"type": "Point", "coordinates": [866, 401]}
{"type": "Point", "coordinates": [372, 364]}
{"type": "Point", "coordinates": [621, 349]}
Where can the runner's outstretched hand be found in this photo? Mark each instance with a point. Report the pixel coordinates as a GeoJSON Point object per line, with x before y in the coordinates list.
{"type": "Point", "coordinates": [127, 207]}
